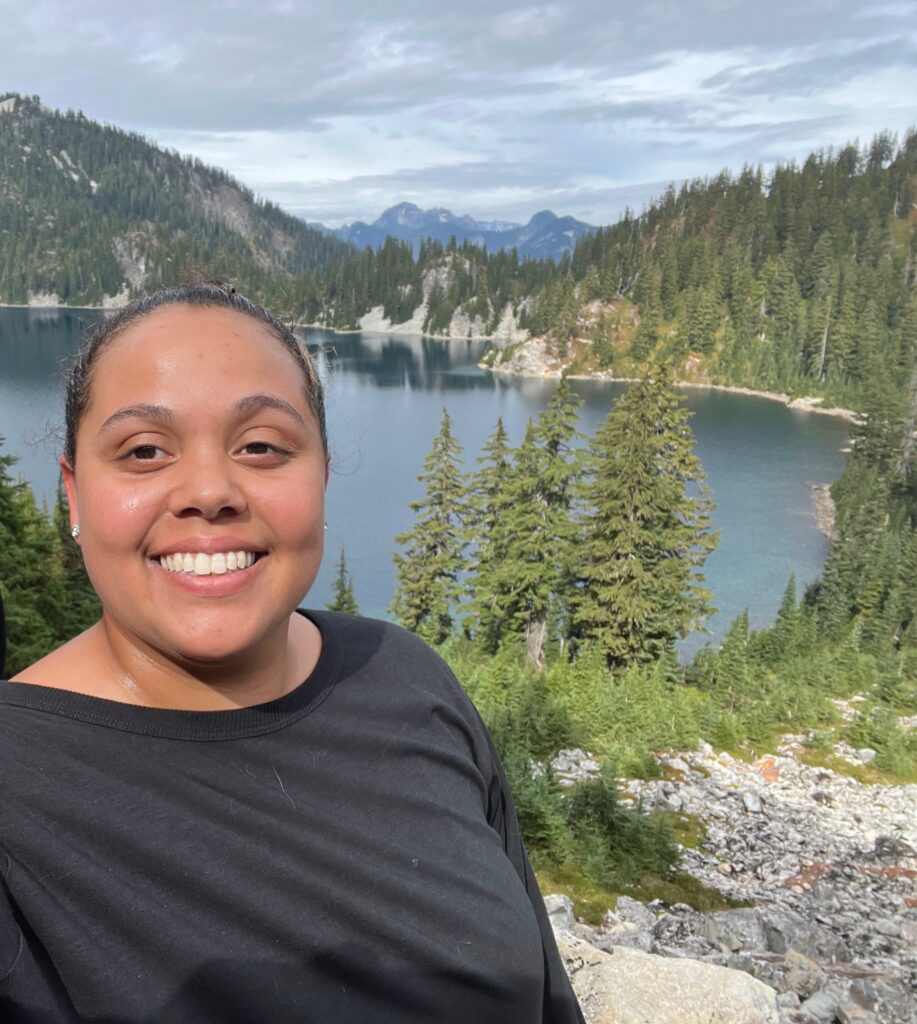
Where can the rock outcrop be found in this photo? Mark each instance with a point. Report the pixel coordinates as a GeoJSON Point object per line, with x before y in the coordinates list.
{"type": "Point", "coordinates": [625, 986]}
{"type": "Point", "coordinates": [828, 866]}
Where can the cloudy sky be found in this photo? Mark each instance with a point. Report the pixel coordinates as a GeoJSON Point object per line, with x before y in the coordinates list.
{"type": "Point", "coordinates": [336, 110]}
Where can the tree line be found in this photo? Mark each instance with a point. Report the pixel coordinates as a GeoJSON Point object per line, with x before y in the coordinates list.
{"type": "Point", "coordinates": [799, 280]}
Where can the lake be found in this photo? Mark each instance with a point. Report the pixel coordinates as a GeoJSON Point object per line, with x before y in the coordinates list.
{"type": "Point", "coordinates": [385, 399]}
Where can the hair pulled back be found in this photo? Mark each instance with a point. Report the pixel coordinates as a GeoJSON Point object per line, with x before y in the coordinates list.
{"type": "Point", "coordinates": [203, 294]}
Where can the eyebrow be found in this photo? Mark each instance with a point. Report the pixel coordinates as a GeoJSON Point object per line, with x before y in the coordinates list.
{"type": "Point", "coordinates": [251, 404]}
{"type": "Point", "coordinates": [156, 413]}
{"type": "Point", "coordinates": [245, 407]}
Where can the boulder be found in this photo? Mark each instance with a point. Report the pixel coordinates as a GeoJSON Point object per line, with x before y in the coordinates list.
{"type": "Point", "coordinates": [752, 802]}
{"type": "Point", "coordinates": [802, 975]}
{"type": "Point", "coordinates": [821, 1006]}
{"type": "Point", "coordinates": [560, 912]}
{"type": "Point", "coordinates": [735, 930]}
{"type": "Point", "coordinates": [784, 930]}
{"type": "Point", "coordinates": [629, 987]}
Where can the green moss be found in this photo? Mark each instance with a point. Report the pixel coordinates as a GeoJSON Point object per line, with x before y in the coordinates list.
{"type": "Point", "coordinates": [683, 888]}
{"type": "Point", "coordinates": [591, 901]}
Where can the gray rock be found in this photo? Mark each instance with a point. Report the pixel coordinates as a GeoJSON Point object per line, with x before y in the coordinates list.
{"type": "Point", "coordinates": [735, 930]}
{"type": "Point", "coordinates": [752, 802]}
{"type": "Point", "coordinates": [628, 987]}
{"type": "Point", "coordinates": [865, 755]}
{"type": "Point", "coordinates": [850, 1013]}
{"type": "Point", "coordinates": [634, 912]}
{"type": "Point", "coordinates": [821, 1006]}
{"type": "Point", "coordinates": [560, 912]}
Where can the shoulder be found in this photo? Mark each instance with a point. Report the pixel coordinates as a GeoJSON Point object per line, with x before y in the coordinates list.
{"type": "Point", "coordinates": [400, 671]}
{"type": "Point", "coordinates": [385, 644]}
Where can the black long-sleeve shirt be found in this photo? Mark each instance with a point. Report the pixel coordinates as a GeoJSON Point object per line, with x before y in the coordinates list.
{"type": "Point", "coordinates": [347, 854]}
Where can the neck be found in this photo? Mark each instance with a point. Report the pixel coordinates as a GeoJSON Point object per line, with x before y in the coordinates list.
{"type": "Point", "coordinates": [139, 674]}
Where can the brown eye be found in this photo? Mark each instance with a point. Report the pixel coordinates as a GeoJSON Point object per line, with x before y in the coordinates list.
{"type": "Point", "coordinates": [263, 448]}
{"type": "Point", "coordinates": [145, 452]}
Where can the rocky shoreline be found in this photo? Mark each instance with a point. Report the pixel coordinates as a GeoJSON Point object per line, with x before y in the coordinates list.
{"type": "Point", "coordinates": [827, 866]}
{"type": "Point", "coordinates": [823, 506]}
{"type": "Point", "coordinates": [532, 359]}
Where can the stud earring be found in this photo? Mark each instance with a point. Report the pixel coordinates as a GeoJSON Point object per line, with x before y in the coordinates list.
{"type": "Point", "coordinates": [75, 531]}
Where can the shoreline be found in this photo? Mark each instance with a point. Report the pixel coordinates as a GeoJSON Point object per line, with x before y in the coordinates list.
{"type": "Point", "coordinates": [805, 403]}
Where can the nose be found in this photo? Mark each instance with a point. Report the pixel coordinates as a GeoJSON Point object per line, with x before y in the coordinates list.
{"type": "Point", "coordinates": [206, 484]}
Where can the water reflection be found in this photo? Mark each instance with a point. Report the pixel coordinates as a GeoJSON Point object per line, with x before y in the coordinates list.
{"type": "Point", "coordinates": [394, 361]}
{"type": "Point", "coordinates": [38, 342]}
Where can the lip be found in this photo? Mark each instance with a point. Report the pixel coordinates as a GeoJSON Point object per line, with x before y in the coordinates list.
{"type": "Point", "coordinates": [207, 546]}
{"type": "Point", "coordinates": [210, 586]}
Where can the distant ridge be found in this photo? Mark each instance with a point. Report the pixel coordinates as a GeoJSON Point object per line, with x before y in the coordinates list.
{"type": "Point", "coordinates": [546, 236]}
{"type": "Point", "coordinates": [92, 215]}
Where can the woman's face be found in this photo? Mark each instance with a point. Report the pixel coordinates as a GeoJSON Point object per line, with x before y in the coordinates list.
{"type": "Point", "coordinates": [199, 484]}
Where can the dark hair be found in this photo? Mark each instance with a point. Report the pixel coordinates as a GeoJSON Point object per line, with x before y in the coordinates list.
{"type": "Point", "coordinates": [203, 295]}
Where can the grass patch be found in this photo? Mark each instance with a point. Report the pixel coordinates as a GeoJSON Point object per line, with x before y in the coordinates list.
{"type": "Point", "coordinates": [591, 900]}
{"type": "Point", "coordinates": [687, 829]}
{"type": "Point", "coordinates": [868, 774]}
{"type": "Point", "coordinates": [682, 888]}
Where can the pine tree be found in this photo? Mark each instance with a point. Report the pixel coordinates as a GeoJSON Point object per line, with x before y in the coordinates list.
{"type": "Point", "coordinates": [344, 599]}
{"type": "Point", "coordinates": [487, 484]}
{"type": "Point", "coordinates": [429, 568]}
{"type": "Point", "coordinates": [81, 607]}
{"type": "Point", "coordinates": [647, 530]}
{"type": "Point", "coordinates": [29, 572]}
{"type": "Point", "coordinates": [522, 561]}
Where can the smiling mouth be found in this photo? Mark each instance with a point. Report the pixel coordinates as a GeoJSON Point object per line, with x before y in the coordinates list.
{"type": "Point", "coordinates": [197, 563]}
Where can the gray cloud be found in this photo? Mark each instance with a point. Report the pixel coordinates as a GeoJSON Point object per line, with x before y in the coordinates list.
{"type": "Point", "coordinates": [537, 103]}
{"type": "Point", "coordinates": [805, 77]}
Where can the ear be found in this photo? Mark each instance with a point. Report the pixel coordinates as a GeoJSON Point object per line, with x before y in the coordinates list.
{"type": "Point", "coordinates": [66, 472]}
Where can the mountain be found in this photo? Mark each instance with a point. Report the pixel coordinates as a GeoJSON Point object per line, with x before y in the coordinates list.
{"type": "Point", "coordinates": [92, 215]}
{"type": "Point", "coordinates": [546, 236]}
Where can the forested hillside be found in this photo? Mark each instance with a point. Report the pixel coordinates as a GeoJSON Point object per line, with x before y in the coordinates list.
{"type": "Point", "coordinates": [802, 281]}
{"type": "Point", "coordinates": [88, 211]}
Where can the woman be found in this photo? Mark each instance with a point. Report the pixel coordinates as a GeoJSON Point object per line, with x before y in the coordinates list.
{"type": "Point", "coordinates": [218, 809]}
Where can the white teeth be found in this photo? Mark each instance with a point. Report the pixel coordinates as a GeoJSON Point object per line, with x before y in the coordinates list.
{"type": "Point", "coordinates": [201, 564]}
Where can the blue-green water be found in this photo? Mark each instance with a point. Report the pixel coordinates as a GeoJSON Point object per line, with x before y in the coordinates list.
{"type": "Point", "coordinates": [385, 399]}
